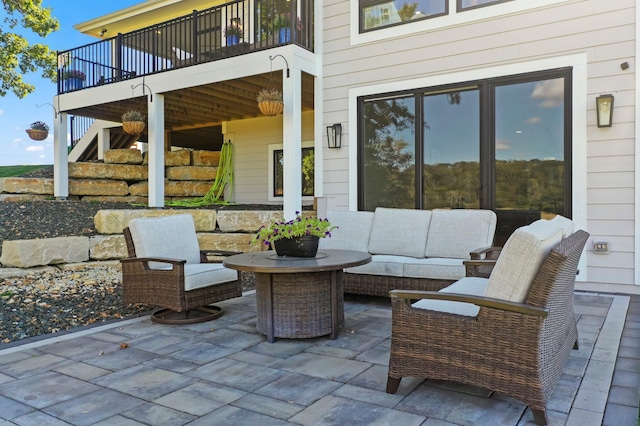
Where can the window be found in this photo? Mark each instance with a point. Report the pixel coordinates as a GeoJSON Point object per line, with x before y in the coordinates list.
{"type": "Point", "coordinates": [377, 13]}
{"type": "Point", "coordinates": [472, 4]}
{"type": "Point", "coordinates": [276, 171]}
{"type": "Point", "coordinates": [502, 144]}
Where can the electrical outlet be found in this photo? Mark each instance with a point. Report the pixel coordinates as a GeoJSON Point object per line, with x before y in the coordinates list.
{"type": "Point", "coordinates": [601, 246]}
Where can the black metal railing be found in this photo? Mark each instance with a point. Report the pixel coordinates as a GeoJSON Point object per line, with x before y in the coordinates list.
{"type": "Point", "coordinates": [232, 29]}
{"type": "Point", "coordinates": [78, 126]}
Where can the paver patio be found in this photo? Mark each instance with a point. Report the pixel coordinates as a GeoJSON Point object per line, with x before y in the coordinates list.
{"type": "Point", "coordinates": [224, 370]}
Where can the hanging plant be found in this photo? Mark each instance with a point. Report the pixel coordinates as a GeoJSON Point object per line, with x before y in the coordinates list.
{"type": "Point", "coordinates": [270, 101]}
{"type": "Point", "coordinates": [133, 122]}
{"type": "Point", "coordinates": [38, 131]}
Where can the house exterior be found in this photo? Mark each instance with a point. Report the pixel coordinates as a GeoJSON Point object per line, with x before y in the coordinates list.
{"type": "Point", "coordinates": [441, 104]}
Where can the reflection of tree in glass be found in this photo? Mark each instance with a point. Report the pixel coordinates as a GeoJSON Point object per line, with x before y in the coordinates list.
{"type": "Point", "coordinates": [407, 11]}
{"type": "Point", "coordinates": [308, 161]}
{"type": "Point", "coordinates": [389, 162]}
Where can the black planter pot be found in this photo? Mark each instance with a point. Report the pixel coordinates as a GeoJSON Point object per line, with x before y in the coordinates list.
{"type": "Point", "coordinates": [305, 246]}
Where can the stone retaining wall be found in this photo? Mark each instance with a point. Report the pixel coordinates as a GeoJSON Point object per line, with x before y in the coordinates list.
{"type": "Point", "coordinates": [217, 230]}
{"type": "Point", "coordinates": [123, 176]}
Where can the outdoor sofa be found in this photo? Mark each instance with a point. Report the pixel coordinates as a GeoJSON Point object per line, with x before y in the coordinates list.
{"type": "Point", "coordinates": [411, 249]}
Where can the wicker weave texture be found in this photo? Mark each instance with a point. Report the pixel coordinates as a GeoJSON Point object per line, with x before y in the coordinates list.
{"type": "Point", "coordinates": [381, 285]}
{"type": "Point", "coordinates": [165, 288]}
{"type": "Point", "coordinates": [513, 353]}
{"type": "Point", "coordinates": [301, 303]}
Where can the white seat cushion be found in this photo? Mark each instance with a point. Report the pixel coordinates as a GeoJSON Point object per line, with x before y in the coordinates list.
{"type": "Point", "coordinates": [455, 233]}
{"type": "Point", "coordinates": [435, 268]}
{"type": "Point", "coordinates": [206, 274]}
{"type": "Point", "coordinates": [402, 232]}
{"type": "Point", "coordinates": [520, 260]}
{"type": "Point", "coordinates": [172, 237]}
{"type": "Point", "coordinates": [352, 232]}
{"type": "Point", "coordinates": [381, 264]}
{"type": "Point", "coordinates": [473, 286]}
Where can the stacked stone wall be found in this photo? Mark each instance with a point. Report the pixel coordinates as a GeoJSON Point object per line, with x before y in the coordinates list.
{"type": "Point", "coordinates": [123, 176]}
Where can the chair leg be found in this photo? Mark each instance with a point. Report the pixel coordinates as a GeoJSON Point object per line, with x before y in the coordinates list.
{"type": "Point", "coordinates": [539, 416]}
{"type": "Point", "coordinates": [392, 384]}
{"type": "Point", "coordinates": [191, 316]}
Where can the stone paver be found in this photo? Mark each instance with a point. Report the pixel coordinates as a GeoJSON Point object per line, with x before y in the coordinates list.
{"type": "Point", "coordinates": [225, 372]}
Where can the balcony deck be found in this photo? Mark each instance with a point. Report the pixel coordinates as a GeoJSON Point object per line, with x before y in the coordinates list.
{"type": "Point", "coordinates": [199, 37]}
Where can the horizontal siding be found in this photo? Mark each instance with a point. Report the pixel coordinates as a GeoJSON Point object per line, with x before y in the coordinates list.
{"type": "Point", "coordinates": [604, 31]}
{"type": "Point", "coordinates": [252, 138]}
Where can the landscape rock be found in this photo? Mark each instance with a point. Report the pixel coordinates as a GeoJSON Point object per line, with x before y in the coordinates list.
{"type": "Point", "coordinates": [18, 185]}
{"type": "Point", "coordinates": [104, 247]}
{"type": "Point", "coordinates": [192, 173]}
{"type": "Point", "coordinates": [245, 221]}
{"type": "Point", "coordinates": [123, 156]}
{"type": "Point", "coordinates": [174, 188]}
{"type": "Point", "coordinates": [181, 157]}
{"type": "Point", "coordinates": [231, 242]}
{"type": "Point", "coordinates": [114, 221]}
{"type": "Point", "coordinates": [205, 158]}
{"type": "Point", "coordinates": [130, 172]}
{"type": "Point", "coordinates": [97, 187]}
{"type": "Point", "coordinates": [44, 251]}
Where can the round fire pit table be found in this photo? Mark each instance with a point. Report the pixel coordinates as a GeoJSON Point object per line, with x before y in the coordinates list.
{"type": "Point", "coordinates": [298, 297]}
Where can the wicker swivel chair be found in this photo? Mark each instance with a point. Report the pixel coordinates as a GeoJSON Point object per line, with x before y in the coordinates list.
{"type": "Point", "coordinates": [516, 344]}
{"type": "Point", "coordinates": [166, 268]}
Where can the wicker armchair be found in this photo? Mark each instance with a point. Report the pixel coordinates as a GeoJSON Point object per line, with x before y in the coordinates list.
{"type": "Point", "coordinates": [518, 349]}
{"type": "Point", "coordinates": [166, 268]}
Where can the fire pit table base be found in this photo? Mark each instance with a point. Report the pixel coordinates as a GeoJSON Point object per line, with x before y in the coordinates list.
{"type": "Point", "coordinates": [300, 305]}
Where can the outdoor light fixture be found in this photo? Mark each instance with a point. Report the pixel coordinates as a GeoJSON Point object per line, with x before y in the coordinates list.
{"type": "Point", "coordinates": [102, 31]}
{"type": "Point", "coordinates": [604, 108]}
{"type": "Point", "coordinates": [334, 135]}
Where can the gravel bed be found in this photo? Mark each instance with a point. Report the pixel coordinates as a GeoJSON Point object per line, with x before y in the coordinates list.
{"type": "Point", "coordinates": [53, 301]}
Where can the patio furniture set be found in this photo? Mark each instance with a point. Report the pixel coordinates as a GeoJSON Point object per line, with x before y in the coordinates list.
{"type": "Point", "coordinates": [462, 311]}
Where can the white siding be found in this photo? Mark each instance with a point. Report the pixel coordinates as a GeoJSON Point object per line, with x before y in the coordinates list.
{"type": "Point", "coordinates": [603, 31]}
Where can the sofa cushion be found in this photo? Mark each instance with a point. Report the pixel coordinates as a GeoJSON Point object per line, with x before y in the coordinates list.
{"type": "Point", "coordinates": [401, 232]}
{"type": "Point", "coordinates": [172, 237]}
{"type": "Point", "coordinates": [473, 286]}
{"type": "Point", "coordinates": [435, 267]}
{"type": "Point", "coordinates": [381, 264]}
{"type": "Point", "coordinates": [207, 274]}
{"type": "Point", "coordinates": [352, 232]}
{"type": "Point", "coordinates": [455, 233]}
{"type": "Point", "coordinates": [520, 259]}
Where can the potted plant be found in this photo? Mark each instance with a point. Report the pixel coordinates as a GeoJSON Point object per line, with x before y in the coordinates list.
{"type": "Point", "coordinates": [74, 79]}
{"type": "Point", "coordinates": [298, 237]}
{"type": "Point", "coordinates": [282, 25]}
{"type": "Point", "coordinates": [270, 101]}
{"type": "Point", "coordinates": [233, 34]}
{"type": "Point", "coordinates": [38, 131]}
{"type": "Point", "coordinates": [133, 122]}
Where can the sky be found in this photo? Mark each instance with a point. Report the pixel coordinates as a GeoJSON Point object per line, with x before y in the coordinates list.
{"type": "Point", "coordinates": [17, 114]}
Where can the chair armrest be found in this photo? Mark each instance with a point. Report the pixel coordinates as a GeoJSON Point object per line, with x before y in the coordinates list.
{"type": "Point", "coordinates": [488, 302]}
{"type": "Point", "coordinates": [478, 268]}
{"type": "Point", "coordinates": [204, 255]}
{"type": "Point", "coordinates": [153, 259]}
{"type": "Point", "coordinates": [485, 253]}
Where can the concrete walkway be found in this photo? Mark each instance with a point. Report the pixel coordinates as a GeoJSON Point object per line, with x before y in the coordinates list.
{"type": "Point", "coordinates": [224, 372]}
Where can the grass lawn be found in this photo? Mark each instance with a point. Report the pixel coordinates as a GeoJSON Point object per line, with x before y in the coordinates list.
{"type": "Point", "coordinates": [6, 171]}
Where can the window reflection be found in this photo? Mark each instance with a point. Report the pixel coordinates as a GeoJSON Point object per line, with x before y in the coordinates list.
{"type": "Point", "coordinates": [389, 153]}
{"type": "Point", "coordinates": [377, 14]}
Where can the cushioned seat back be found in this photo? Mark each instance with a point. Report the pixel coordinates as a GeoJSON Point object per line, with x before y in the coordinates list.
{"type": "Point", "coordinates": [520, 260]}
{"type": "Point", "coordinates": [455, 233]}
{"type": "Point", "coordinates": [172, 237]}
{"type": "Point", "coordinates": [352, 232]}
{"type": "Point", "coordinates": [401, 232]}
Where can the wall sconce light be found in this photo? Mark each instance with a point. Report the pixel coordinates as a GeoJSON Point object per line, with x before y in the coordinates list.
{"type": "Point", "coordinates": [604, 108]}
{"type": "Point", "coordinates": [334, 135]}
{"type": "Point", "coordinates": [102, 31]}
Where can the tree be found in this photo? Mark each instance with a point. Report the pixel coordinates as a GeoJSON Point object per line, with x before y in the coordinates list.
{"type": "Point", "coordinates": [17, 55]}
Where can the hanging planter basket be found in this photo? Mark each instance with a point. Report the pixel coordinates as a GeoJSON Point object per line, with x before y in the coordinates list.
{"type": "Point", "coordinates": [133, 127]}
{"type": "Point", "coordinates": [271, 108]}
{"type": "Point", "coordinates": [37, 135]}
